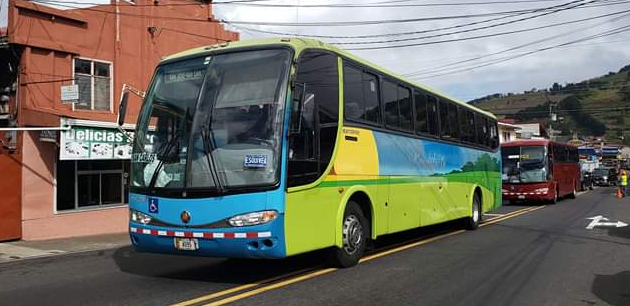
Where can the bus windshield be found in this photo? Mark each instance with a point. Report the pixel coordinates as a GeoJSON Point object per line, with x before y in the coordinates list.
{"type": "Point", "coordinates": [524, 164]}
{"type": "Point", "coordinates": [213, 122]}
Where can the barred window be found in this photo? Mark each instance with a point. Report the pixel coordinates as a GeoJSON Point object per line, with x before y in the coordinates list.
{"type": "Point", "coordinates": [94, 80]}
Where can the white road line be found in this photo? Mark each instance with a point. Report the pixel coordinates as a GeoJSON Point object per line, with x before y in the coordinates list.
{"type": "Point", "coordinates": [495, 215]}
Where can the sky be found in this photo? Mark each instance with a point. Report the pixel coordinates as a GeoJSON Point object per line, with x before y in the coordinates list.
{"type": "Point", "coordinates": [567, 62]}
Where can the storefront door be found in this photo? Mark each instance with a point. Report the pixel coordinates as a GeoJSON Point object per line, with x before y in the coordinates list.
{"type": "Point", "coordinates": [10, 197]}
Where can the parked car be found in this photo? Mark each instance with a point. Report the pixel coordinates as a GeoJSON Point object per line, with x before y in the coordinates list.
{"type": "Point", "coordinates": [587, 180]}
{"type": "Point", "coordinates": [605, 177]}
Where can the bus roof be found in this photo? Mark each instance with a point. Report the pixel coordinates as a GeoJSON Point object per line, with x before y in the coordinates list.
{"type": "Point", "coordinates": [532, 142]}
{"type": "Point", "coordinates": [299, 44]}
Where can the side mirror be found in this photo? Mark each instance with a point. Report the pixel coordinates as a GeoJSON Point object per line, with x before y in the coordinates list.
{"type": "Point", "coordinates": [297, 105]}
{"type": "Point", "coordinates": [122, 108]}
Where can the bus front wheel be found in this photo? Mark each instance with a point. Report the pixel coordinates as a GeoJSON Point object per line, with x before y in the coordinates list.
{"type": "Point", "coordinates": [472, 222]}
{"type": "Point", "coordinates": [354, 237]}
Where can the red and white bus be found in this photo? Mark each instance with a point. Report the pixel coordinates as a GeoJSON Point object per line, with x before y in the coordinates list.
{"type": "Point", "coordinates": [540, 170]}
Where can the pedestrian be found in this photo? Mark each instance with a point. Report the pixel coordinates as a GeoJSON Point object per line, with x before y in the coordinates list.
{"type": "Point", "coordinates": [624, 183]}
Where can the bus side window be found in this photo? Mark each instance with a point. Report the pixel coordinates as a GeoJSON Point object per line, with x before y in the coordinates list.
{"type": "Point", "coordinates": [470, 126]}
{"type": "Point", "coordinates": [420, 104]}
{"type": "Point", "coordinates": [360, 95]}
{"type": "Point", "coordinates": [445, 131]}
{"type": "Point", "coordinates": [310, 151]}
{"type": "Point", "coordinates": [404, 107]}
{"type": "Point", "coordinates": [432, 115]}
{"type": "Point", "coordinates": [494, 135]}
{"type": "Point", "coordinates": [463, 121]}
{"type": "Point", "coordinates": [452, 121]}
{"type": "Point", "coordinates": [390, 100]}
{"type": "Point", "coordinates": [483, 138]}
{"type": "Point", "coordinates": [372, 111]}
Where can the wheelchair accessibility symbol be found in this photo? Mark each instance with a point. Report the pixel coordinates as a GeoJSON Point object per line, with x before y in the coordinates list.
{"type": "Point", "coordinates": [153, 205]}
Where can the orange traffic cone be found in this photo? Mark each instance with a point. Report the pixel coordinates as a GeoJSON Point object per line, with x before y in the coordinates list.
{"type": "Point", "coordinates": [619, 195]}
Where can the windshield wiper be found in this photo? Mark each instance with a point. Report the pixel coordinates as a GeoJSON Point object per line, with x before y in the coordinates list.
{"type": "Point", "coordinates": [208, 147]}
{"type": "Point", "coordinates": [165, 154]}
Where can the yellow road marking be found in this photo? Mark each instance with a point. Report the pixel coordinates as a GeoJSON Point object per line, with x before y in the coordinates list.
{"type": "Point", "coordinates": [320, 272]}
{"type": "Point", "coordinates": [271, 287]}
{"type": "Point", "coordinates": [238, 288]}
{"type": "Point", "coordinates": [408, 246]}
{"type": "Point", "coordinates": [511, 215]}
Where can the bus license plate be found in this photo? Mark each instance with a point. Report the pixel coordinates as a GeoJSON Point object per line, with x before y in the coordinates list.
{"type": "Point", "coordinates": [187, 244]}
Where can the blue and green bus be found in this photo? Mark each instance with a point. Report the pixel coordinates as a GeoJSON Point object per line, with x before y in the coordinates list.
{"type": "Point", "coordinates": [276, 147]}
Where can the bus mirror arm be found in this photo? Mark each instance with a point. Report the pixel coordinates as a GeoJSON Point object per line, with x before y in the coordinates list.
{"type": "Point", "coordinates": [299, 90]}
{"type": "Point", "coordinates": [122, 107]}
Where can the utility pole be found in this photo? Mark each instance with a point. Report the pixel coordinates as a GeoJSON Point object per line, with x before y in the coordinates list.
{"type": "Point", "coordinates": [552, 117]}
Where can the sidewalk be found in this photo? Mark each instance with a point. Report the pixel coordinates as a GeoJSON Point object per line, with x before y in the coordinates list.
{"type": "Point", "coordinates": [20, 250]}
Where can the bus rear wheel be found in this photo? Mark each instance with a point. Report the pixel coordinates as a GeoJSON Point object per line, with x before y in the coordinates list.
{"type": "Point", "coordinates": [554, 200]}
{"type": "Point", "coordinates": [472, 222]}
{"type": "Point", "coordinates": [354, 238]}
{"type": "Point", "coordinates": [573, 193]}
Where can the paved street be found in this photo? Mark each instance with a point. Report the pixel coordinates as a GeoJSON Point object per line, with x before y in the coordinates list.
{"type": "Point", "coordinates": [527, 255]}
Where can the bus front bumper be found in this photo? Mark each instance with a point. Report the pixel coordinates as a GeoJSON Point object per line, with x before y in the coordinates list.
{"type": "Point", "coordinates": [521, 196]}
{"type": "Point", "coordinates": [262, 241]}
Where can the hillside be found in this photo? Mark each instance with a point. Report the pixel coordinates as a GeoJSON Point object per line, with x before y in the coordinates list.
{"type": "Point", "coordinates": [594, 107]}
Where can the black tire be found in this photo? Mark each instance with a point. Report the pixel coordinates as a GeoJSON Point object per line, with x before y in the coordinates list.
{"type": "Point", "coordinates": [555, 197]}
{"type": "Point", "coordinates": [573, 193]}
{"type": "Point", "coordinates": [472, 223]}
{"type": "Point", "coordinates": [355, 233]}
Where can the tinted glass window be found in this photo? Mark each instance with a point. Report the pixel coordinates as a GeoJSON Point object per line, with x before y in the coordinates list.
{"type": "Point", "coordinates": [494, 134]}
{"type": "Point", "coordinates": [470, 126]}
{"type": "Point", "coordinates": [432, 115]}
{"type": "Point", "coordinates": [354, 107]}
{"type": "Point", "coordinates": [390, 99]}
{"type": "Point", "coordinates": [466, 131]}
{"type": "Point", "coordinates": [452, 120]}
{"type": "Point", "coordinates": [310, 151]}
{"type": "Point", "coordinates": [372, 111]}
{"type": "Point", "coordinates": [420, 103]}
{"type": "Point", "coordinates": [444, 122]}
{"type": "Point", "coordinates": [320, 74]}
{"type": "Point", "coordinates": [360, 95]}
{"type": "Point", "coordinates": [483, 138]}
{"type": "Point", "coordinates": [404, 105]}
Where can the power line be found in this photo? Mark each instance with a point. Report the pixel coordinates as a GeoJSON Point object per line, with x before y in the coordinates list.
{"type": "Point", "coordinates": [402, 33]}
{"type": "Point", "coordinates": [603, 34]}
{"type": "Point", "coordinates": [446, 66]}
{"type": "Point", "coordinates": [376, 22]}
{"type": "Point", "coordinates": [240, 27]}
{"type": "Point", "coordinates": [376, 5]}
{"type": "Point", "coordinates": [467, 38]}
{"type": "Point", "coordinates": [192, 34]}
{"type": "Point", "coordinates": [293, 24]}
{"type": "Point", "coordinates": [256, 3]}
{"type": "Point", "coordinates": [474, 29]}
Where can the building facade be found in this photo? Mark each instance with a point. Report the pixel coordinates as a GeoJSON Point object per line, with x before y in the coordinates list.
{"type": "Point", "coordinates": [64, 163]}
{"type": "Point", "coordinates": [508, 132]}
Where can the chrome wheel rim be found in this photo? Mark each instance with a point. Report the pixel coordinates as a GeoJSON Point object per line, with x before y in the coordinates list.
{"type": "Point", "coordinates": [352, 234]}
{"type": "Point", "coordinates": [475, 212]}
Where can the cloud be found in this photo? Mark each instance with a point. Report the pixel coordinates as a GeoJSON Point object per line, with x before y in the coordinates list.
{"type": "Point", "coordinates": [540, 70]}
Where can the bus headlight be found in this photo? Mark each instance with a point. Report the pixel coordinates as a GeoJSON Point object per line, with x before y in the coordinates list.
{"type": "Point", "coordinates": [139, 217]}
{"type": "Point", "coordinates": [255, 218]}
{"type": "Point", "coordinates": [542, 190]}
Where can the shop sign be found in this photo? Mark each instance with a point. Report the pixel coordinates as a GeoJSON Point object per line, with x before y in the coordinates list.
{"type": "Point", "coordinates": [82, 142]}
{"type": "Point", "coordinates": [70, 93]}
{"type": "Point", "coordinates": [48, 136]}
